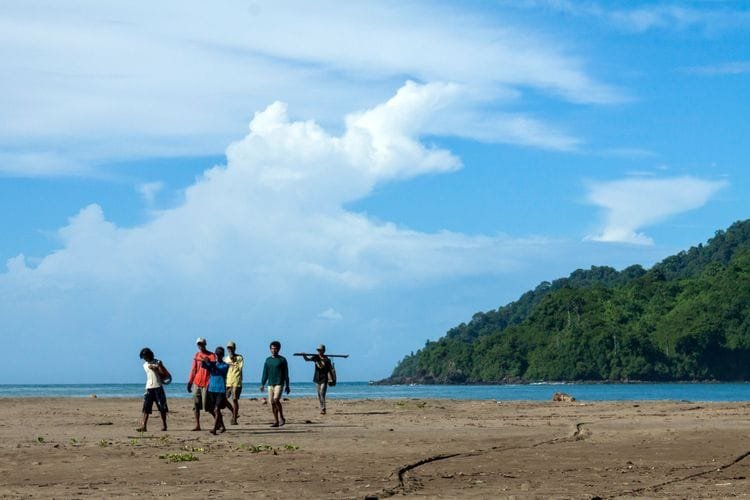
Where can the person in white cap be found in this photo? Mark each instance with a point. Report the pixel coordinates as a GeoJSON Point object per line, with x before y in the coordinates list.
{"type": "Point", "coordinates": [199, 377]}
{"type": "Point", "coordinates": [234, 378]}
{"type": "Point", "coordinates": [322, 369]}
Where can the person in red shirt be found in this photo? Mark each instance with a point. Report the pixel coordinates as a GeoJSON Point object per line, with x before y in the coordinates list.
{"type": "Point", "coordinates": [199, 377]}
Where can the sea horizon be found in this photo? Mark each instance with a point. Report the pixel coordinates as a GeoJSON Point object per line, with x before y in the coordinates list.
{"type": "Point", "coordinates": [539, 391]}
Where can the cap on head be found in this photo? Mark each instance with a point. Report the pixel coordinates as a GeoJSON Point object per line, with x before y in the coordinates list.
{"type": "Point", "coordinates": [322, 348]}
{"type": "Point", "coordinates": [200, 340]}
{"type": "Point", "coordinates": [231, 344]}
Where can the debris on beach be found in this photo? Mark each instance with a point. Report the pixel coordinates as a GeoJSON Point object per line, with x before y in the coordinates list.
{"type": "Point", "coordinates": [562, 396]}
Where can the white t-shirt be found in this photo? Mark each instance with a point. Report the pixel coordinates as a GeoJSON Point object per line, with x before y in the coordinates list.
{"type": "Point", "coordinates": [152, 379]}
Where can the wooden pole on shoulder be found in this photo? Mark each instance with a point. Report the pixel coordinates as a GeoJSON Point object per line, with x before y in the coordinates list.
{"type": "Point", "coordinates": [327, 355]}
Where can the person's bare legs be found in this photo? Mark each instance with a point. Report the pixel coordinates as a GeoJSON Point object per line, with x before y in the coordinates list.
{"type": "Point", "coordinates": [281, 419]}
{"type": "Point", "coordinates": [218, 421]}
{"type": "Point", "coordinates": [235, 410]}
{"type": "Point", "coordinates": [143, 426]}
{"type": "Point", "coordinates": [197, 414]}
{"type": "Point", "coordinates": [222, 428]}
{"type": "Point", "coordinates": [163, 420]}
{"type": "Point", "coordinates": [275, 410]}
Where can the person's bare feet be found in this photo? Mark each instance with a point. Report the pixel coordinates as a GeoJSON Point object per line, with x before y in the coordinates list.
{"type": "Point", "coordinates": [164, 428]}
{"type": "Point", "coordinates": [141, 429]}
{"type": "Point", "coordinates": [275, 424]}
{"type": "Point", "coordinates": [195, 428]}
{"type": "Point", "coordinates": [212, 432]}
{"type": "Point", "coordinates": [283, 421]}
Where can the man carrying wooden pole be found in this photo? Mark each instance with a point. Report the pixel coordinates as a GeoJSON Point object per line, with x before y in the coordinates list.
{"type": "Point", "coordinates": [325, 373]}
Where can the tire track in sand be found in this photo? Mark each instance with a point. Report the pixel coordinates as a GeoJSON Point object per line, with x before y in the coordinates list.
{"type": "Point", "coordinates": [404, 486]}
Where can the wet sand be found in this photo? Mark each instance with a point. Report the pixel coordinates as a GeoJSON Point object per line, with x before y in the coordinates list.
{"type": "Point", "coordinates": [88, 448]}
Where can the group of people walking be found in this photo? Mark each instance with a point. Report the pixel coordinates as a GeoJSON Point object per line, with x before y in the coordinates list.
{"type": "Point", "coordinates": [215, 382]}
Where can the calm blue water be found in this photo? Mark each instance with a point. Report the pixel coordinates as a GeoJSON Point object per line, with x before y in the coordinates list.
{"type": "Point", "coordinates": [362, 390]}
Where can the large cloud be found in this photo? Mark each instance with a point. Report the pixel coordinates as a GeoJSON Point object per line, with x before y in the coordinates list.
{"type": "Point", "coordinates": [261, 238]}
{"type": "Point", "coordinates": [278, 201]}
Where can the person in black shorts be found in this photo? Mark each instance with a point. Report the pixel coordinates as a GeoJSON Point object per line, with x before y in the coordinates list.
{"type": "Point", "coordinates": [217, 388]}
{"type": "Point", "coordinates": [154, 390]}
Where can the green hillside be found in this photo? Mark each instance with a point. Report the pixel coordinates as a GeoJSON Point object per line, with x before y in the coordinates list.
{"type": "Point", "coordinates": [687, 318]}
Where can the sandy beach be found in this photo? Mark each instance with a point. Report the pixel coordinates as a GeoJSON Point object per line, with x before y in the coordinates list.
{"type": "Point", "coordinates": [88, 447]}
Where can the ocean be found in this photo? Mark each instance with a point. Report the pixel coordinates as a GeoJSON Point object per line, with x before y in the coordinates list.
{"type": "Point", "coordinates": [707, 392]}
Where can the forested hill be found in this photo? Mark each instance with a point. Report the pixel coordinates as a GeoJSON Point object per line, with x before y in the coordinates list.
{"type": "Point", "coordinates": [687, 318]}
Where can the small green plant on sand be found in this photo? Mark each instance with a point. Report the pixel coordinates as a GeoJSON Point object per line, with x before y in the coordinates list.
{"type": "Point", "coordinates": [103, 443]}
{"type": "Point", "coordinates": [73, 441]}
{"type": "Point", "coordinates": [179, 457]}
{"type": "Point", "coordinates": [134, 442]}
{"type": "Point", "coordinates": [290, 447]}
{"type": "Point", "coordinates": [194, 449]}
{"type": "Point", "coordinates": [40, 439]}
{"type": "Point", "coordinates": [256, 448]}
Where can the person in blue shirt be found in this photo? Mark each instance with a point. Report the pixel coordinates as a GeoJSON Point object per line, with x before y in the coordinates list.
{"type": "Point", "coordinates": [217, 388]}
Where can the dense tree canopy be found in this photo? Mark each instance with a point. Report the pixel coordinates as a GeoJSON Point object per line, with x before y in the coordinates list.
{"type": "Point", "coordinates": [687, 318]}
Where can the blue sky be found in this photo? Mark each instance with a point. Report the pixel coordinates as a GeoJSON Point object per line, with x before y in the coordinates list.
{"type": "Point", "coordinates": [366, 175]}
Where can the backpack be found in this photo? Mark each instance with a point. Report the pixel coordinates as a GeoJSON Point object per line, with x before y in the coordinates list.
{"type": "Point", "coordinates": [332, 375]}
{"type": "Point", "coordinates": [163, 374]}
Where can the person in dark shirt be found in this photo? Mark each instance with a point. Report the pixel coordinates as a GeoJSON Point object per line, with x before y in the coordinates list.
{"type": "Point", "coordinates": [322, 370]}
{"type": "Point", "coordinates": [276, 374]}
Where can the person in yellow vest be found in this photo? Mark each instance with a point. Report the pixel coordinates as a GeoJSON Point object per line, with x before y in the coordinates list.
{"type": "Point", "coordinates": [234, 379]}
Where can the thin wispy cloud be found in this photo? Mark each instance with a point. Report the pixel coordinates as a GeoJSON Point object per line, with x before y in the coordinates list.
{"type": "Point", "coordinates": [728, 68]}
{"type": "Point", "coordinates": [102, 82]}
{"type": "Point", "coordinates": [630, 205]}
{"type": "Point", "coordinates": [675, 16]}
{"type": "Point", "coordinates": [40, 164]}
{"type": "Point", "coordinates": [627, 153]}
{"type": "Point", "coordinates": [149, 190]}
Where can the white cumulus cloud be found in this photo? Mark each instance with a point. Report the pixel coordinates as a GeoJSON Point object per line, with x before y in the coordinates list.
{"type": "Point", "coordinates": [262, 242]}
{"type": "Point", "coordinates": [629, 205]}
{"type": "Point", "coordinates": [330, 314]}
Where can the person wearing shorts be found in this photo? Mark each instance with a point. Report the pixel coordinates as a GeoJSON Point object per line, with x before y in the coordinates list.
{"type": "Point", "coordinates": [276, 374]}
{"type": "Point", "coordinates": [154, 390]}
{"type": "Point", "coordinates": [216, 395]}
{"type": "Point", "coordinates": [234, 379]}
{"type": "Point", "coordinates": [199, 378]}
